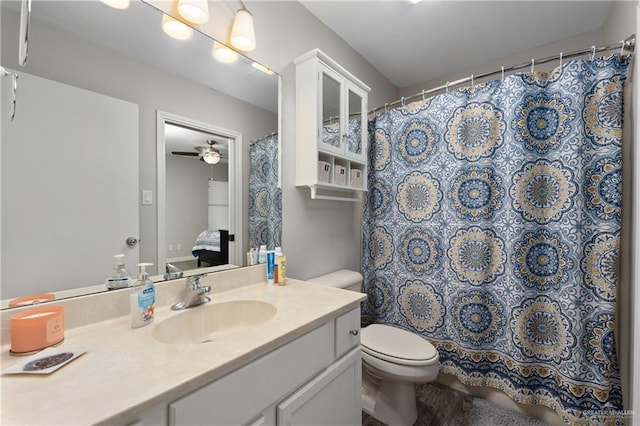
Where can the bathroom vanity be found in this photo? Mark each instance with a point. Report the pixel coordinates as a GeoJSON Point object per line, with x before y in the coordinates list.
{"type": "Point", "coordinates": [301, 366]}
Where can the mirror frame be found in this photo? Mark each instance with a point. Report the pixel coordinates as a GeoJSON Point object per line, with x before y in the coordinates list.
{"type": "Point", "coordinates": [234, 177]}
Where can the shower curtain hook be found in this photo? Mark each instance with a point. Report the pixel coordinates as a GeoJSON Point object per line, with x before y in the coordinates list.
{"type": "Point", "coordinates": [402, 101]}
{"type": "Point", "coordinates": [622, 48]}
{"type": "Point", "coordinates": [561, 59]}
{"type": "Point", "coordinates": [502, 73]}
{"type": "Point", "coordinates": [533, 65]}
{"type": "Point", "coordinates": [385, 106]}
{"type": "Point", "coordinates": [472, 84]}
{"type": "Point", "coordinates": [423, 98]}
{"type": "Point", "coordinates": [447, 87]}
{"type": "Point", "coordinates": [593, 52]}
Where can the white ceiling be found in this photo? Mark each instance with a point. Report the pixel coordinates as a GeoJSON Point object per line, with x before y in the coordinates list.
{"type": "Point", "coordinates": [414, 43]}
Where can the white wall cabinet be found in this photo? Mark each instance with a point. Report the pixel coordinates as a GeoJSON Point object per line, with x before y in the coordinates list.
{"type": "Point", "coordinates": [314, 379]}
{"type": "Point", "coordinates": [331, 128]}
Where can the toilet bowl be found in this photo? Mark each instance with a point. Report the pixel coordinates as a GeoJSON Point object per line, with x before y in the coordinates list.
{"type": "Point", "coordinates": [393, 361]}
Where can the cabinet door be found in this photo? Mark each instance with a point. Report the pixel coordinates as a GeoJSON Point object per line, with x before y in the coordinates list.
{"type": "Point", "coordinates": [332, 398]}
{"type": "Point", "coordinates": [356, 127]}
{"type": "Point", "coordinates": [331, 133]}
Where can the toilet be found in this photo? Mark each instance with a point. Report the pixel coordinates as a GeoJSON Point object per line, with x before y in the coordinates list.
{"type": "Point", "coordinates": [393, 361]}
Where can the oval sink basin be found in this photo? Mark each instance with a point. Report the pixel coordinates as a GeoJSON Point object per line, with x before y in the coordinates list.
{"type": "Point", "coordinates": [212, 322]}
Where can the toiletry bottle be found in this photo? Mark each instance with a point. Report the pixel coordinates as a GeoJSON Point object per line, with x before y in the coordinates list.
{"type": "Point", "coordinates": [282, 270]}
{"type": "Point", "coordinates": [120, 277]}
{"type": "Point", "coordinates": [278, 252]}
{"type": "Point", "coordinates": [143, 298]}
{"type": "Point", "coordinates": [262, 254]}
{"type": "Point", "coordinates": [254, 255]}
{"type": "Point", "coordinates": [271, 264]}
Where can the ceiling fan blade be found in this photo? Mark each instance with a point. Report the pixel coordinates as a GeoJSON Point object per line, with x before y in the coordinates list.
{"type": "Point", "coordinates": [188, 154]}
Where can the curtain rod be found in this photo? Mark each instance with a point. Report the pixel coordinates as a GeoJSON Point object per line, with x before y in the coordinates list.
{"type": "Point", "coordinates": [627, 44]}
{"type": "Point", "coordinates": [263, 138]}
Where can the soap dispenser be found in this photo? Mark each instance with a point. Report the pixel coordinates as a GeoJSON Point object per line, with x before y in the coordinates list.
{"type": "Point", "coordinates": [120, 277]}
{"type": "Point", "coordinates": [143, 298]}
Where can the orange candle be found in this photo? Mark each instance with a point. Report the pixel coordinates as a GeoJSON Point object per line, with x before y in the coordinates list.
{"type": "Point", "coordinates": [37, 328]}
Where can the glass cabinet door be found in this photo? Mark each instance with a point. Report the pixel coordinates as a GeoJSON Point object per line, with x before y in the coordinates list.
{"type": "Point", "coordinates": [355, 128]}
{"type": "Point", "coordinates": [330, 138]}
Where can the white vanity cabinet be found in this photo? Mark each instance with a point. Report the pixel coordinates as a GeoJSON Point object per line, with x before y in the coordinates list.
{"type": "Point", "coordinates": [314, 379]}
{"type": "Point", "coordinates": [331, 127]}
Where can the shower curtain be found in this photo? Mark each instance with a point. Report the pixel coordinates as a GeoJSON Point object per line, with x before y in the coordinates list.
{"type": "Point", "coordinates": [492, 228]}
{"type": "Point", "coordinates": [265, 198]}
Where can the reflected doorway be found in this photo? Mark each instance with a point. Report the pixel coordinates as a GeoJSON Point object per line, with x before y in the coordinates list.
{"type": "Point", "coordinates": [198, 198]}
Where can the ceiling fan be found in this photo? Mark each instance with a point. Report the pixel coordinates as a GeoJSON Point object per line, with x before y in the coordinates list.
{"type": "Point", "coordinates": [208, 153]}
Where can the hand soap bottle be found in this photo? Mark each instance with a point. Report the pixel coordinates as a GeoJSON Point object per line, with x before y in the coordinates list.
{"type": "Point", "coordinates": [120, 277]}
{"type": "Point", "coordinates": [143, 298]}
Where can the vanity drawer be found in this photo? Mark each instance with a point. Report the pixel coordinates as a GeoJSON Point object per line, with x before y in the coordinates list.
{"type": "Point", "coordinates": [347, 332]}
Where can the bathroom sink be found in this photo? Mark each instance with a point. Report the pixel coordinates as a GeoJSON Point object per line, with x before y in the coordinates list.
{"type": "Point", "coordinates": [212, 322]}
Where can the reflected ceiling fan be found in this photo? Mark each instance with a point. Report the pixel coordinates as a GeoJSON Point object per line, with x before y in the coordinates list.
{"type": "Point", "coordinates": [208, 153]}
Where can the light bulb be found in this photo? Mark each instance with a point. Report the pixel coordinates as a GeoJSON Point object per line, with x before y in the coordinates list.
{"type": "Point", "coordinates": [223, 53]}
{"type": "Point", "coordinates": [243, 35]}
{"type": "Point", "coordinates": [117, 4]}
{"type": "Point", "coordinates": [196, 11]}
{"type": "Point", "coordinates": [175, 28]}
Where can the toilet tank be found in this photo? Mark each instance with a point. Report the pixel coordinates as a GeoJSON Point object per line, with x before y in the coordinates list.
{"type": "Point", "coordinates": [346, 279]}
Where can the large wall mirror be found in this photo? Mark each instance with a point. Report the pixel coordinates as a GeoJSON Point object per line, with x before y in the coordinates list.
{"type": "Point", "coordinates": [105, 98]}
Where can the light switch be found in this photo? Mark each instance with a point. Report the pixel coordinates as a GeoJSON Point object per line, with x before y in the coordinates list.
{"type": "Point", "coordinates": [147, 197]}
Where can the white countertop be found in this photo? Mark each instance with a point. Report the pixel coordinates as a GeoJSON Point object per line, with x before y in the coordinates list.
{"type": "Point", "coordinates": [125, 370]}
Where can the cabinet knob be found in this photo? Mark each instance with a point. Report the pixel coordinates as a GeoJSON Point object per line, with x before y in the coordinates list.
{"type": "Point", "coordinates": [354, 332]}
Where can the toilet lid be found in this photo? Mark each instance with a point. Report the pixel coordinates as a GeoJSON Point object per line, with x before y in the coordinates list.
{"type": "Point", "coordinates": [396, 345]}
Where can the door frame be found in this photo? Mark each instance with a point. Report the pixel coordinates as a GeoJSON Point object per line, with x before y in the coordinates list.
{"type": "Point", "coordinates": [235, 183]}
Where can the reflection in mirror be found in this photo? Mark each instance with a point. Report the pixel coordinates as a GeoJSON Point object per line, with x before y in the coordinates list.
{"type": "Point", "coordinates": [124, 58]}
{"type": "Point", "coordinates": [330, 111]}
{"type": "Point", "coordinates": [354, 129]}
{"type": "Point", "coordinates": [199, 209]}
{"type": "Point", "coordinates": [265, 194]}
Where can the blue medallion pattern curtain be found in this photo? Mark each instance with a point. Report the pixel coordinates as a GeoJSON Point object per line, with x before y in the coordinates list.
{"type": "Point", "coordinates": [492, 228]}
{"type": "Point", "coordinates": [265, 198]}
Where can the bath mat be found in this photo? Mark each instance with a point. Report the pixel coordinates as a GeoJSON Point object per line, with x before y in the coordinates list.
{"type": "Point", "coordinates": [438, 405]}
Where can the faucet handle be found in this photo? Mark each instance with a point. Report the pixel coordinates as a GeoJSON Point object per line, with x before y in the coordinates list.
{"type": "Point", "coordinates": [194, 281]}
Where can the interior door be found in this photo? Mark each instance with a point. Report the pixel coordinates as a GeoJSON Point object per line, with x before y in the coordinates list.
{"type": "Point", "coordinates": [69, 197]}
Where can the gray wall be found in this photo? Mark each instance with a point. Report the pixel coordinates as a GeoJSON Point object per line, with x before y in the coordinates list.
{"type": "Point", "coordinates": [101, 70]}
{"type": "Point", "coordinates": [317, 236]}
{"type": "Point", "coordinates": [187, 194]}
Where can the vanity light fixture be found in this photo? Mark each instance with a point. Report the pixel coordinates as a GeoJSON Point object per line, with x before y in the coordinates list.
{"type": "Point", "coordinates": [224, 54]}
{"type": "Point", "coordinates": [196, 11]}
{"type": "Point", "coordinates": [175, 28]}
{"type": "Point", "coordinates": [117, 4]}
{"type": "Point", "coordinates": [211, 156]}
{"type": "Point", "coordinates": [243, 35]}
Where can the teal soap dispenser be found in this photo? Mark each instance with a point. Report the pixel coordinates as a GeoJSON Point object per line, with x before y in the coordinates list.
{"type": "Point", "coordinates": [143, 298]}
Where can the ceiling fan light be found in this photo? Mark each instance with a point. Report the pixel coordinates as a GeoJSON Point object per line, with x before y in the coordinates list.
{"type": "Point", "coordinates": [175, 28]}
{"type": "Point", "coordinates": [196, 11]}
{"type": "Point", "coordinates": [224, 54]}
{"type": "Point", "coordinates": [211, 157]}
{"type": "Point", "coordinates": [243, 35]}
{"type": "Point", "coordinates": [117, 4]}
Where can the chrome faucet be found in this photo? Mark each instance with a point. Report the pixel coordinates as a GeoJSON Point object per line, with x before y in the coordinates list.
{"type": "Point", "coordinates": [195, 294]}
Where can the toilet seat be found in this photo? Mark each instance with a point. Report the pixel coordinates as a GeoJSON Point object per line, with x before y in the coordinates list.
{"type": "Point", "coordinates": [397, 346]}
